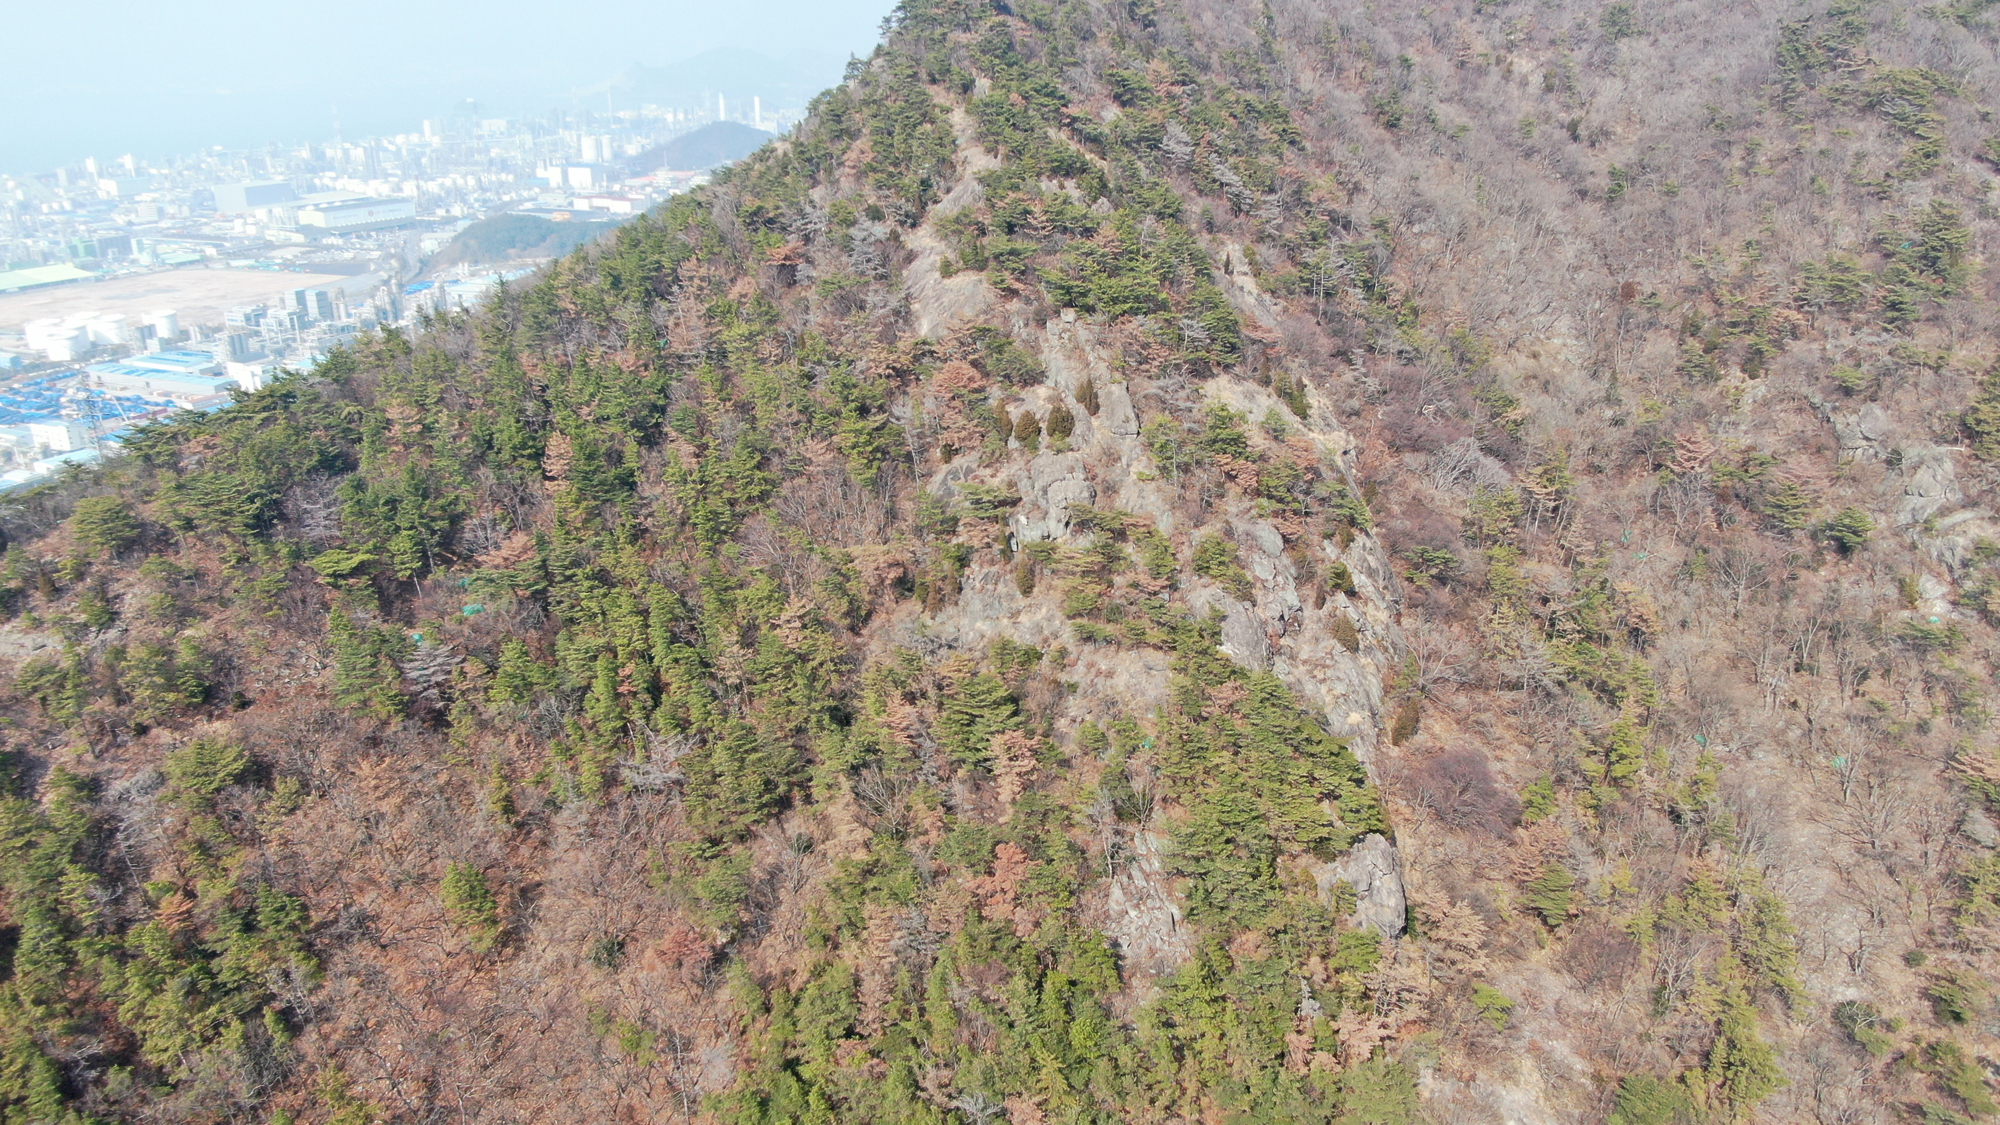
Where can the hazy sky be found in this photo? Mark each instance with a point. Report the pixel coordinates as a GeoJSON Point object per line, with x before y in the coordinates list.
{"type": "Point", "coordinates": [106, 77]}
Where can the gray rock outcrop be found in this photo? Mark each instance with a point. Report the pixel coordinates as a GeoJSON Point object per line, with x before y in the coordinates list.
{"type": "Point", "coordinates": [1374, 870]}
{"type": "Point", "coordinates": [1861, 434]}
{"type": "Point", "coordinates": [1930, 484]}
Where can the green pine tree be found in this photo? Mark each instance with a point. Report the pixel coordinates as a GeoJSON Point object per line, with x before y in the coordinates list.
{"type": "Point", "coordinates": [471, 905]}
{"type": "Point", "coordinates": [365, 673]}
{"type": "Point", "coordinates": [1742, 1068]}
{"type": "Point", "coordinates": [1552, 894]}
{"type": "Point", "coordinates": [1624, 750]}
{"type": "Point", "coordinates": [1982, 418]}
{"type": "Point", "coordinates": [104, 525]}
{"type": "Point", "coordinates": [1849, 529]}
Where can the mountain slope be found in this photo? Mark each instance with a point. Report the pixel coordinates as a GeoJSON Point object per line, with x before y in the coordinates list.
{"type": "Point", "coordinates": [1167, 563]}
{"type": "Point", "coordinates": [509, 236]}
{"type": "Point", "coordinates": [716, 143]}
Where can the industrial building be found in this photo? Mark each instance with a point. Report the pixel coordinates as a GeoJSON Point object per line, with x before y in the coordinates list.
{"type": "Point", "coordinates": [180, 386]}
{"type": "Point", "coordinates": [177, 363]}
{"type": "Point", "coordinates": [580, 176]}
{"type": "Point", "coordinates": [58, 435]}
{"type": "Point", "coordinates": [252, 376]}
{"type": "Point", "coordinates": [55, 463]}
{"type": "Point", "coordinates": [36, 440]}
{"type": "Point", "coordinates": [359, 215]}
{"type": "Point", "coordinates": [317, 304]}
{"type": "Point", "coordinates": [613, 204]}
{"type": "Point", "coordinates": [34, 277]}
{"type": "Point", "coordinates": [123, 187]}
{"type": "Point", "coordinates": [242, 199]}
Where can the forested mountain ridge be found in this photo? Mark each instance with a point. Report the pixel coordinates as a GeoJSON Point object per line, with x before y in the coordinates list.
{"type": "Point", "coordinates": [1149, 562]}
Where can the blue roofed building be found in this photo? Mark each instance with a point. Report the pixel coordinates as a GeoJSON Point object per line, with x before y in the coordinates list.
{"type": "Point", "coordinates": [180, 362]}
{"type": "Point", "coordinates": [127, 377]}
{"type": "Point", "coordinates": [49, 466]}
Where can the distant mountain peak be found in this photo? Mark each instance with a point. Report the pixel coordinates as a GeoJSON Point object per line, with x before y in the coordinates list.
{"type": "Point", "coordinates": [718, 143]}
{"type": "Point", "coordinates": [733, 72]}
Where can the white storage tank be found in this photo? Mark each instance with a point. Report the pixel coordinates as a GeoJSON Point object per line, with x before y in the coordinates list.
{"type": "Point", "coordinates": [165, 323]}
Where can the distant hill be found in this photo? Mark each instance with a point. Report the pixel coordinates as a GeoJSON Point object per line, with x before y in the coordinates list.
{"type": "Point", "coordinates": [706, 147]}
{"type": "Point", "coordinates": [736, 74]}
{"type": "Point", "coordinates": [512, 237]}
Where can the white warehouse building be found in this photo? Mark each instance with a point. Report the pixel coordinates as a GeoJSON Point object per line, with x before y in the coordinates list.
{"type": "Point", "coordinates": [359, 215]}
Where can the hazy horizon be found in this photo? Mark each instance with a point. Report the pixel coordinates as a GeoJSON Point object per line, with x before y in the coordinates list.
{"type": "Point", "coordinates": [103, 79]}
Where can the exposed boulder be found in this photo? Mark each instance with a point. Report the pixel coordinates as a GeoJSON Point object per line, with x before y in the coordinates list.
{"type": "Point", "coordinates": [1374, 870]}
{"type": "Point", "coordinates": [1051, 485]}
{"type": "Point", "coordinates": [1930, 484]}
{"type": "Point", "coordinates": [1953, 538]}
{"type": "Point", "coordinates": [1979, 828]}
{"type": "Point", "coordinates": [1862, 432]}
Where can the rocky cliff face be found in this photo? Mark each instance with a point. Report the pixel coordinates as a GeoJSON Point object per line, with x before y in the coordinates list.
{"type": "Point", "coordinates": [1282, 620]}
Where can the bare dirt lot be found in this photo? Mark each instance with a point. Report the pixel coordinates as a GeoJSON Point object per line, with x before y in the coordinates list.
{"type": "Point", "coordinates": [200, 296]}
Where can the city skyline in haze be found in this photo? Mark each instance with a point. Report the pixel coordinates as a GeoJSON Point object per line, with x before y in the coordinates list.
{"type": "Point", "coordinates": [114, 76]}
